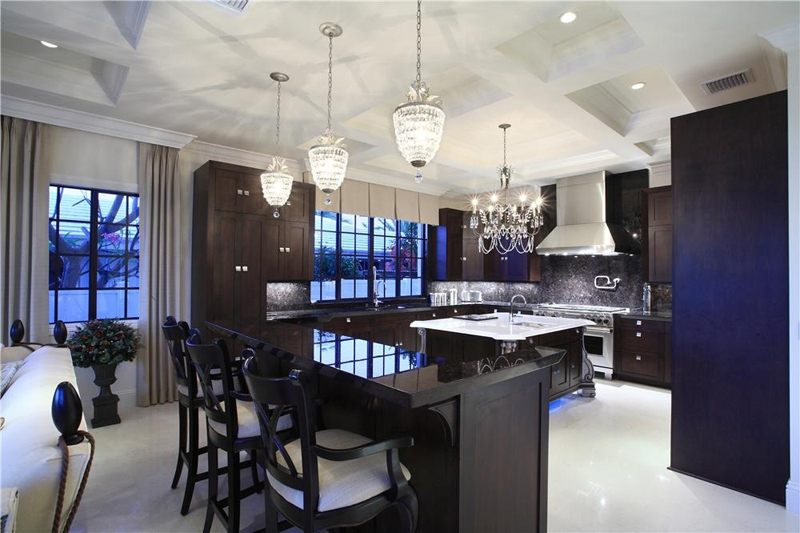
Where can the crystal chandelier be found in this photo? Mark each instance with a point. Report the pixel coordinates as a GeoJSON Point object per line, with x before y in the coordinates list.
{"type": "Point", "coordinates": [504, 226]}
{"type": "Point", "coordinates": [328, 158]}
{"type": "Point", "coordinates": [276, 183]}
{"type": "Point", "coordinates": [418, 123]}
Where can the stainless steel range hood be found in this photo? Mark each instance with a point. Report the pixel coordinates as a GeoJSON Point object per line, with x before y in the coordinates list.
{"type": "Point", "coordinates": [583, 210]}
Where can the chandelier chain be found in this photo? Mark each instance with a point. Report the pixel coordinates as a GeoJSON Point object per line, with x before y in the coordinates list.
{"type": "Point", "coordinates": [278, 122]}
{"type": "Point", "coordinates": [505, 147]}
{"type": "Point", "coordinates": [419, 41]}
{"type": "Point", "coordinates": [330, 77]}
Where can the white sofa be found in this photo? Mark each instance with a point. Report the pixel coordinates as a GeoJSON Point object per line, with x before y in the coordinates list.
{"type": "Point", "coordinates": [31, 458]}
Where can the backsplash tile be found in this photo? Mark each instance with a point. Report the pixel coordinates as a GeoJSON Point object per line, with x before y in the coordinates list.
{"type": "Point", "coordinates": [284, 296]}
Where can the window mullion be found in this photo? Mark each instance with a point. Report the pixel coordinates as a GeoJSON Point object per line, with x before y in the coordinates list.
{"type": "Point", "coordinates": [93, 239]}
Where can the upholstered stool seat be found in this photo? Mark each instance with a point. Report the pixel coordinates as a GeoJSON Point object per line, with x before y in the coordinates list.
{"type": "Point", "coordinates": [341, 483]}
{"type": "Point", "coordinates": [248, 422]}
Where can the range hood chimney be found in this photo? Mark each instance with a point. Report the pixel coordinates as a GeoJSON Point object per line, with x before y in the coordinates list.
{"type": "Point", "coordinates": [589, 221]}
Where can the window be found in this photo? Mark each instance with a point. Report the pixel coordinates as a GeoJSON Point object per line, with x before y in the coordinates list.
{"type": "Point", "coordinates": [346, 247]}
{"type": "Point", "coordinates": [94, 254]}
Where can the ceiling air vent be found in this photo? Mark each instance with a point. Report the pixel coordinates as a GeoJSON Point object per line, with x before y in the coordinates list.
{"type": "Point", "coordinates": [737, 79]}
{"type": "Point", "coordinates": [234, 5]}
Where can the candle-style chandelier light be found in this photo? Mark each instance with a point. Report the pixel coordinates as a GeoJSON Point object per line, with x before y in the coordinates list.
{"type": "Point", "coordinates": [329, 157]}
{"type": "Point", "coordinates": [502, 225]}
{"type": "Point", "coordinates": [276, 183]}
{"type": "Point", "coordinates": [419, 122]}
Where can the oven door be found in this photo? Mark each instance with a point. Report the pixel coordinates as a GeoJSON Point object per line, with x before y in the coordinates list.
{"type": "Point", "coordinates": [599, 345]}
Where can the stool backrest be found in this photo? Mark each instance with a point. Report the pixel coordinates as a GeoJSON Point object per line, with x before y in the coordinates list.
{"type": "Point", "coordinates": [276, 397]}
{"type": "Point", "coordinates": [212, 363]}
{"type": "Point", "coordinates": [176, 334]}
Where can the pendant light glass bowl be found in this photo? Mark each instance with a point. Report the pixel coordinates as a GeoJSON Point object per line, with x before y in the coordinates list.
{"type": "Point", "coordinates": [418, 127]}
{"type": "Point", "coordinates": [328, 164]}
{"type": "Point", "coordinates": [276, 183]}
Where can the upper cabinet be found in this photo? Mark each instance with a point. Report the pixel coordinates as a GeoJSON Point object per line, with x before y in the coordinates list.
{"type": "Point", "coordinates": [657, 235]}
{"type": "Point", "coordinates": [238, 245]}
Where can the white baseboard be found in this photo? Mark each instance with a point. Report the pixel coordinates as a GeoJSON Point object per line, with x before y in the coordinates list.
{"type": "Point", "coordinates": [793, 496]}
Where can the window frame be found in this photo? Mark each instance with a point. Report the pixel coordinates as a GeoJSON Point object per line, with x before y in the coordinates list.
{"type": "Point", "coordinates": [94, 252]}
{"type": "Point", "coordinates": [371, 258]}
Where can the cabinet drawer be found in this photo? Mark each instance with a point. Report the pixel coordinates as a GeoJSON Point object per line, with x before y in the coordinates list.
{"type": "Point", "coordinates": [640, 324]}
{"type": "Point", "coordinates": [640, 340]}
{"type": "Point", "coordinates": [642, 364]}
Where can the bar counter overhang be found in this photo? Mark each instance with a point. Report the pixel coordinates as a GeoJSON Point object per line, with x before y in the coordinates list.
{"type": "Point", "coordinates": [479, 462]}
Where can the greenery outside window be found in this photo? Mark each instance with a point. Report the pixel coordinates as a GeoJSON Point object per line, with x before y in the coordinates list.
{"type": "Point", "coordinates": [94, 254]}
{"type": "Point", "coordinates": [346, 247]}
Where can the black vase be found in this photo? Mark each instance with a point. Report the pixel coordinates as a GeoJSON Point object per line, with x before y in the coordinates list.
{"type": "Point", "coordinates": [105, 403]}
{"type": "Point", "coordinates": [67, 412]}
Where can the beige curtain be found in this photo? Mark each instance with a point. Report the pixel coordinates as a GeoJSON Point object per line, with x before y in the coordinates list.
{"type": "Point", "coordinates": [24, 261]}
{"type": "Point", "coordinates": [160, 272]}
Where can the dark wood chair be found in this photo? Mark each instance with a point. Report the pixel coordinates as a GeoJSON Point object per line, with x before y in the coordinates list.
{"type": "Point", "coordinates": [323, 479]}
{"type": "Point", "coordinates": [190, 400]}
{"type": "Point", "coordinates": [232, 427]}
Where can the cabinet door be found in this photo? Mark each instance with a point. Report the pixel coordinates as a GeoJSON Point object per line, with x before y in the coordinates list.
{"type": "Point", "coordinates": [495, 266]}
{"type": "Point", "coordinates": [668, 353]}
{"type": "Point", "coordinates": [299, 205]}
{"type": "Point", "coordinates": [227, 191]}
{"type": "Point", "coordinates": [252, 198]}
{"type": "Point", "coordinates": [251, 292]}
{"type": "Point", "coordinates": [516, 267]}
{"type": "Point", "coordinates": [222, 304]}
{"type": "Point", "coordinates": [659, 208]}
{"type": "Point", "coordinates": [575, 356]}
{"type": "Point", "coordinates": [660, 253]}
{"type": "Point", "coordinates": [559, 376]}
{"type": "Point", "coordinates": [296, 257]}
{"type": "Point", "coordinates": [271, 257]}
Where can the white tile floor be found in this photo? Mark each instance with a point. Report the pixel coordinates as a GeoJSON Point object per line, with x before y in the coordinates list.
{"type": "Point", "coordinates": [608, 472]}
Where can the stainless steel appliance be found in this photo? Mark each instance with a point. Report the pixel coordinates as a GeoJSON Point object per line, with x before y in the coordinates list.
{"type": "Point", "coordinates": [598, 340]}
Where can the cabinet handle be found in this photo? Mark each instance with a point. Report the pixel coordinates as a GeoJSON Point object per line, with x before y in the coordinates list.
{"type": "Point", "coordinates": [247, 193]}
{"type": "Point", "coordinates": [434, 315]}
{"type": "Point", "coordinates": [244, 268]}
{"type": "Point", "coordinates": [289, 203]}
{"type": "Point", "coordinates": [288, 250]}
{"type": "Point", "coordinates": [455, 311]}
{"type": "Point", "coordinates": [281, 249]}
{"type": "Point", "coordinates": [638, 322]}
{"type": "Point", "coordinates": [238, 268]}
{"type": "Point", "coordinates": [638, 333]}
{"type": "Point", "coordinates": [239, 192]}
{"type": "Point", "coordinates": [463, 226]}
{"type": "Point", "coordinates": [348, 320]}
{"type": "Point", "coordinates": [638, 357]}
{"type": "Point", "coordinates": [400, 344]}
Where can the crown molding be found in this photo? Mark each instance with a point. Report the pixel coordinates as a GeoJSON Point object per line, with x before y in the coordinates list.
{"type": "Point", "coordinates": [786, 37]}
{"type": "Point", "coordinates": [218, 152]}
{"type": "Point", "coordinates": [79, 120]}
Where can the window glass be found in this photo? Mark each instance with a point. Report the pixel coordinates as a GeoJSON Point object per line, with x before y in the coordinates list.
{"type": "Point", "coordinates": [347, 247]}
{"type": "Point", "coordinates": [94, 255]}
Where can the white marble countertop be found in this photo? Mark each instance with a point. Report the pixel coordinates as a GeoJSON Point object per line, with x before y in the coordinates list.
{"type": "Point", "coordinates": [502, 328]}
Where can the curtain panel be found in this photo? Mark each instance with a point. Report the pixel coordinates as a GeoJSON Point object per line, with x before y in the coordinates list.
{"type": "Point", "coordinates": [24, 261]}
{"type": "Point", "coordinates": [160, 260]}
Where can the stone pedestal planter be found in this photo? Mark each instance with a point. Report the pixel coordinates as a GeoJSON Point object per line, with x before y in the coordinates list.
{"type": "Point", "coordinates": [105, 403]}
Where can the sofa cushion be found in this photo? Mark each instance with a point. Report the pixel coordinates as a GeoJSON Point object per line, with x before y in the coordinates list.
{"type": "Point", "coordinates": [7, 373]}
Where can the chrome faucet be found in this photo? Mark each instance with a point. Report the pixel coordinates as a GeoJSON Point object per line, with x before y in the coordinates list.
{"type": "Point", "coordinates": [513, 299]}
{"type": "Point", "coordinates": [375, 281]}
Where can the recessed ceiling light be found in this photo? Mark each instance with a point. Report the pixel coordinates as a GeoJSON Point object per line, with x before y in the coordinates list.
{"type": "Point", "coordinates": [638, 85]}
{"type": "Point", "coordinates": [49, 45]}
{"type": "Point", "coordinates": [568, 17]}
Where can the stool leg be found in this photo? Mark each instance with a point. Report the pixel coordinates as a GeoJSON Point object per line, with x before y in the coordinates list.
{"type": "Point", "coordinates": [234, 496]}
{"type": "Point", "coordinates": [409, 509]}
{"type": "Point", "coordinates": [181, 444]}
{"type": "Point", "coordinates": [194, 444]}
{"type": "Point", "coordinates": [213, 481]}
{"type": "Point", "coordinates": [270, 512]}
{"type": "Point", "coordinates": [254, 468]}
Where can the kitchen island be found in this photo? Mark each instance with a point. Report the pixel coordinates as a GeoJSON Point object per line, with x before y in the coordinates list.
{"type": "Point", "coordinates": [506, 333]}
{"type": "Point", "coordinates": [480, 424]}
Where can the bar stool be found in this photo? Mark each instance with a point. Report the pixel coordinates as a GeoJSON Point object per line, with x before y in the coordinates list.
{"type": "Point", "coordinates": [329, 478]}
{"type": "Point", "coordinates": [189, 402]}
{"type": "Point", "coordinates": [232, 427]}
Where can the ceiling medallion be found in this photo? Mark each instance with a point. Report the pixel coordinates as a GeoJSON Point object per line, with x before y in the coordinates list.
{"type": "Point", "coordinates": [419, 122]}
{"type": "Point", "coordinates": [503, 226]}
{"type": "Point", "coordinates": [276, 183]}
{"type": "Point", "coordinates": [329, 157]}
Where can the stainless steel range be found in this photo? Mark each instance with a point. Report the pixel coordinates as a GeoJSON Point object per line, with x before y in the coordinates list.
{"type": "Point", "coordinates": [598, 340]}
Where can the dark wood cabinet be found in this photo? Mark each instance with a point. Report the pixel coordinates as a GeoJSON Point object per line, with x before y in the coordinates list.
{"type": "Point", "coordinates": [642, 350]}
{"type": "Point", "coordinates": [238, 245]}
{"type": "Point", "coordinates": [657, 235]}
{"type": "Point", "coordinates": [454, 248]}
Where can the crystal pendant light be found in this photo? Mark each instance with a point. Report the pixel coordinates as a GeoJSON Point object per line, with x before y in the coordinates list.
{"type": "Point", "coordinates": [329, 157]}
{"type": "Point", "coordinates": [418, 123]}
{"type": "Point", "coordinates": [504, 226]}
{"type": "Point", "coordinates": [276, 183]}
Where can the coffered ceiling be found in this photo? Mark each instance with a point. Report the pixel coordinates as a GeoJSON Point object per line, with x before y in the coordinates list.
{"type": "Point", "coordinates": [199, 68]}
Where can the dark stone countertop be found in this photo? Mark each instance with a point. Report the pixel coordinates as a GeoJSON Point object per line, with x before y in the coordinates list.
{"type": "Point", "coordinates": [661, 316]}
{"type": "Point", "coordinates": [407, 378]}
{"type": "Point", "coordinates": [320, 313]}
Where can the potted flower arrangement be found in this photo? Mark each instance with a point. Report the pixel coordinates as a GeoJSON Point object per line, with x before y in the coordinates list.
{"type": "Point", "coordinates": [102, 345]}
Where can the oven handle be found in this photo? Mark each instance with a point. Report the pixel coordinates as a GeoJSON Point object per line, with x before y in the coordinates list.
{"type": "Point", "coordinates": [598, 329]}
